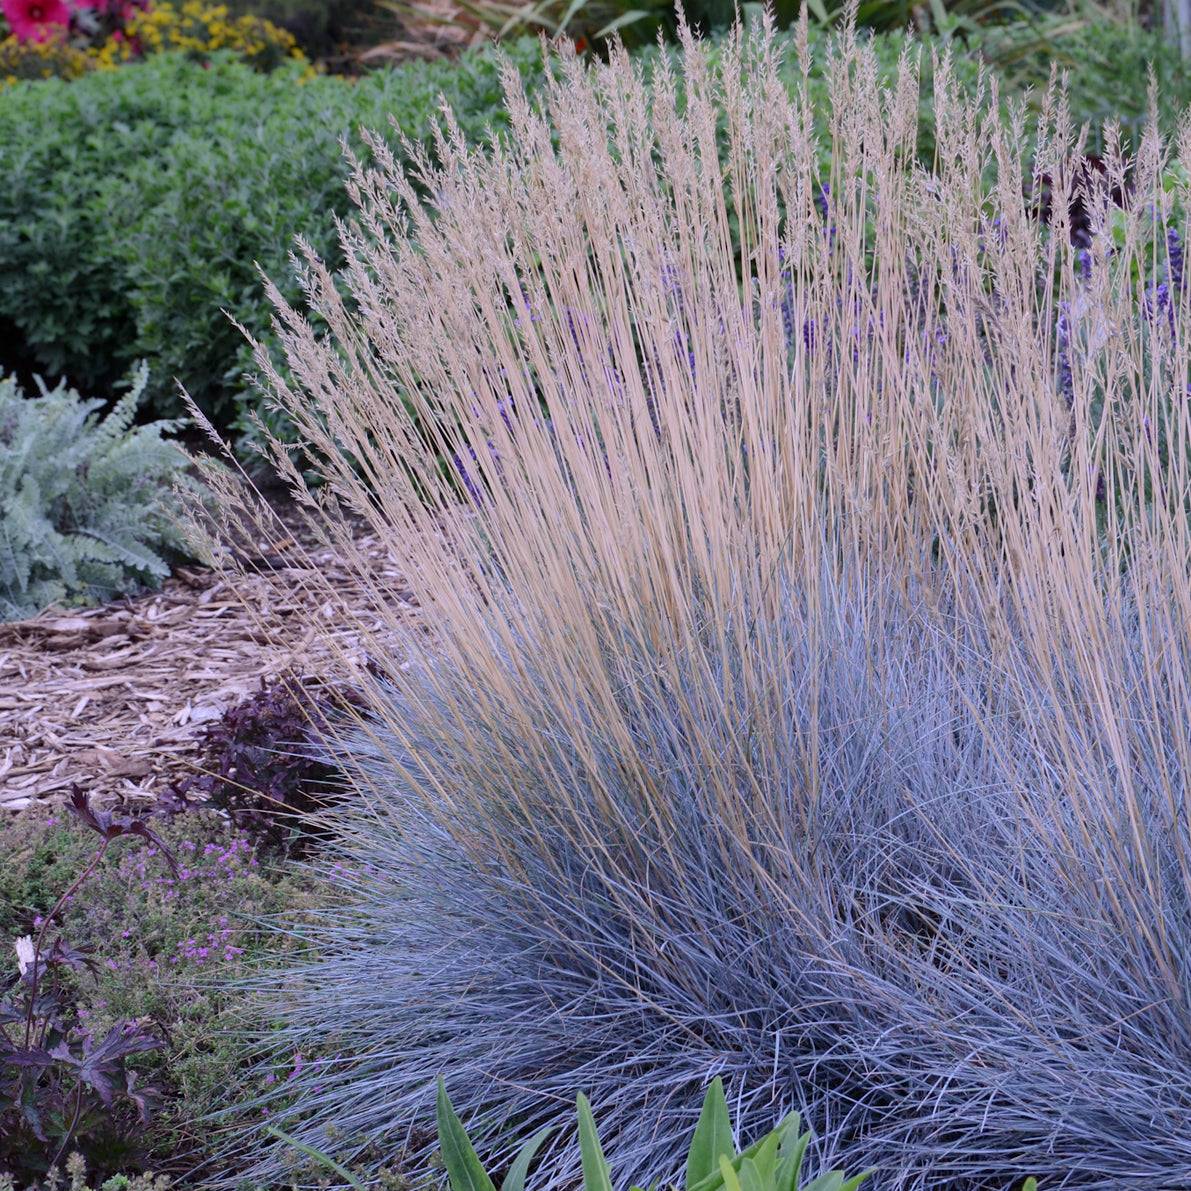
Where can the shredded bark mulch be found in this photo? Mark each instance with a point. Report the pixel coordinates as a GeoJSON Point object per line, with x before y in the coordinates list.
{"type": "Point", "coordinates": [114, 698]}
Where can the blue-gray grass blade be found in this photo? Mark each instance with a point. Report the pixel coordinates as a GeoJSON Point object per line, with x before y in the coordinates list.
{"type": "Point", "coordinates": [464, 1168]}
{"type": "Point", "coordinates": [713, 1136]}
{"type": "Point", "coordinates": [597, 1175]}
{"type": "Point", "coordinates": [317, 1155]}
{"type": "Point", "coordinates": [515, 1179]}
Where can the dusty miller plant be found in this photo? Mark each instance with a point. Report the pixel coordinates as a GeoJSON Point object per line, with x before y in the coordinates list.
{"type": "Point", "coordinates": [84, 502]}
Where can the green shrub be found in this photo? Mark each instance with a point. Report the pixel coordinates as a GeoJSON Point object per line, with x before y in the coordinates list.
{"type": "Point", "coordinates": [85, 505]}
{"type": "Point", "coordinates": [139, 201]}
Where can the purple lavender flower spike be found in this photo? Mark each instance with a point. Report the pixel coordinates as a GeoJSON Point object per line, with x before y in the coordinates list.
{"type": "Point", "coordinates": [940, 340]}
{"type": "Point", "coordinates": [472, 490]}
{"type": "Point", "coordinates": [505, 407]}
{"type": "Point", "coordinates": [788, 319]}
{"type": "Point", "coordinates": [824, 194]}
{"type": "Point", "coordinates": [1062, 335]}
{"type": "Point", "coordinates": [1174, 252]}
{"type": "Point", "coordinates": [1101, 487]}
{"type": "Point", "coordinates": [1157, 303]}
{"type": "Point", "coordinates": [571, 327]}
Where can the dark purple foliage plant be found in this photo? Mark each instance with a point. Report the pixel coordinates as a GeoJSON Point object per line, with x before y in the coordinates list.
{"type": "Point", "coordinates": [259, 764]}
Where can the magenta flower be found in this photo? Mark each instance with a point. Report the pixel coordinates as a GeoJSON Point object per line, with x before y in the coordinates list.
{"type": "Point", "coordinates": [36, 20]}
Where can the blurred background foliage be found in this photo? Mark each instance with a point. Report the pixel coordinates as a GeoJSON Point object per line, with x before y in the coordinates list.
{"type": "Point", "coordinates": [348, 34]}
{"type": "Point", "coordinates": [139, 204]}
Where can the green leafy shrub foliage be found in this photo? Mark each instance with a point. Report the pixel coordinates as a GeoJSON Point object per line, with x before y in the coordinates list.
{"type": "Point", "coordinates": [803, 687]}
{"type": "Point", "coordinates": [84, 502]}
{"type": "Point", "coordinates": [139, 203]}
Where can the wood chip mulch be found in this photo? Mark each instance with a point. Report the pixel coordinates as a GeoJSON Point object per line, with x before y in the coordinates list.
{"type": "Point", "coordinates": [112, 698]}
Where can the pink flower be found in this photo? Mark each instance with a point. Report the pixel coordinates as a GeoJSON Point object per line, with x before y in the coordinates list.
{"type": "Point", "coordinates": [36, 20]}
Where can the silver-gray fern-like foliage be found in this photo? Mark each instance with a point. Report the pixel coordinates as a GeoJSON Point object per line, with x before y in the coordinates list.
{"type": "Point", "coordinates": [85, 502]}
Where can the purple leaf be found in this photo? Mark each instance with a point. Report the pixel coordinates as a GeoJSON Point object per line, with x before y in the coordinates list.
{"type": "Point", "coordinates": [102, 1060]}
{"type": "Point", "coordinates": [62, 953]}
{"type": "Point", "coordinates": [34, 1058]}
{"type": "Point", "coordinates": [146, 1099]}
{"type": "Point", "coordinates": [111, 825]}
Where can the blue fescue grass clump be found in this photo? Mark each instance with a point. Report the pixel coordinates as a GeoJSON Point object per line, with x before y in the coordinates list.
{"type": "Point", "coordinates": [804, 709]}
{"type": "Point", "coordinates": [915, 948]}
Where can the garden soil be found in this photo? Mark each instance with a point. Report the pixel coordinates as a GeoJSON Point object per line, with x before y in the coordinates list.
{"type": "Point", "coordinates": [114, 698]}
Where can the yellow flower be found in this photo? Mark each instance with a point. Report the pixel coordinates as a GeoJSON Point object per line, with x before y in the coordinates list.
{"type": "Point", "coordinates": [195, 27]}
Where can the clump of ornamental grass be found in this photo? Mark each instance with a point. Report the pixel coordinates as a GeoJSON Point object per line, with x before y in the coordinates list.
{"type": "Point", "coordinates": [805, 697]}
